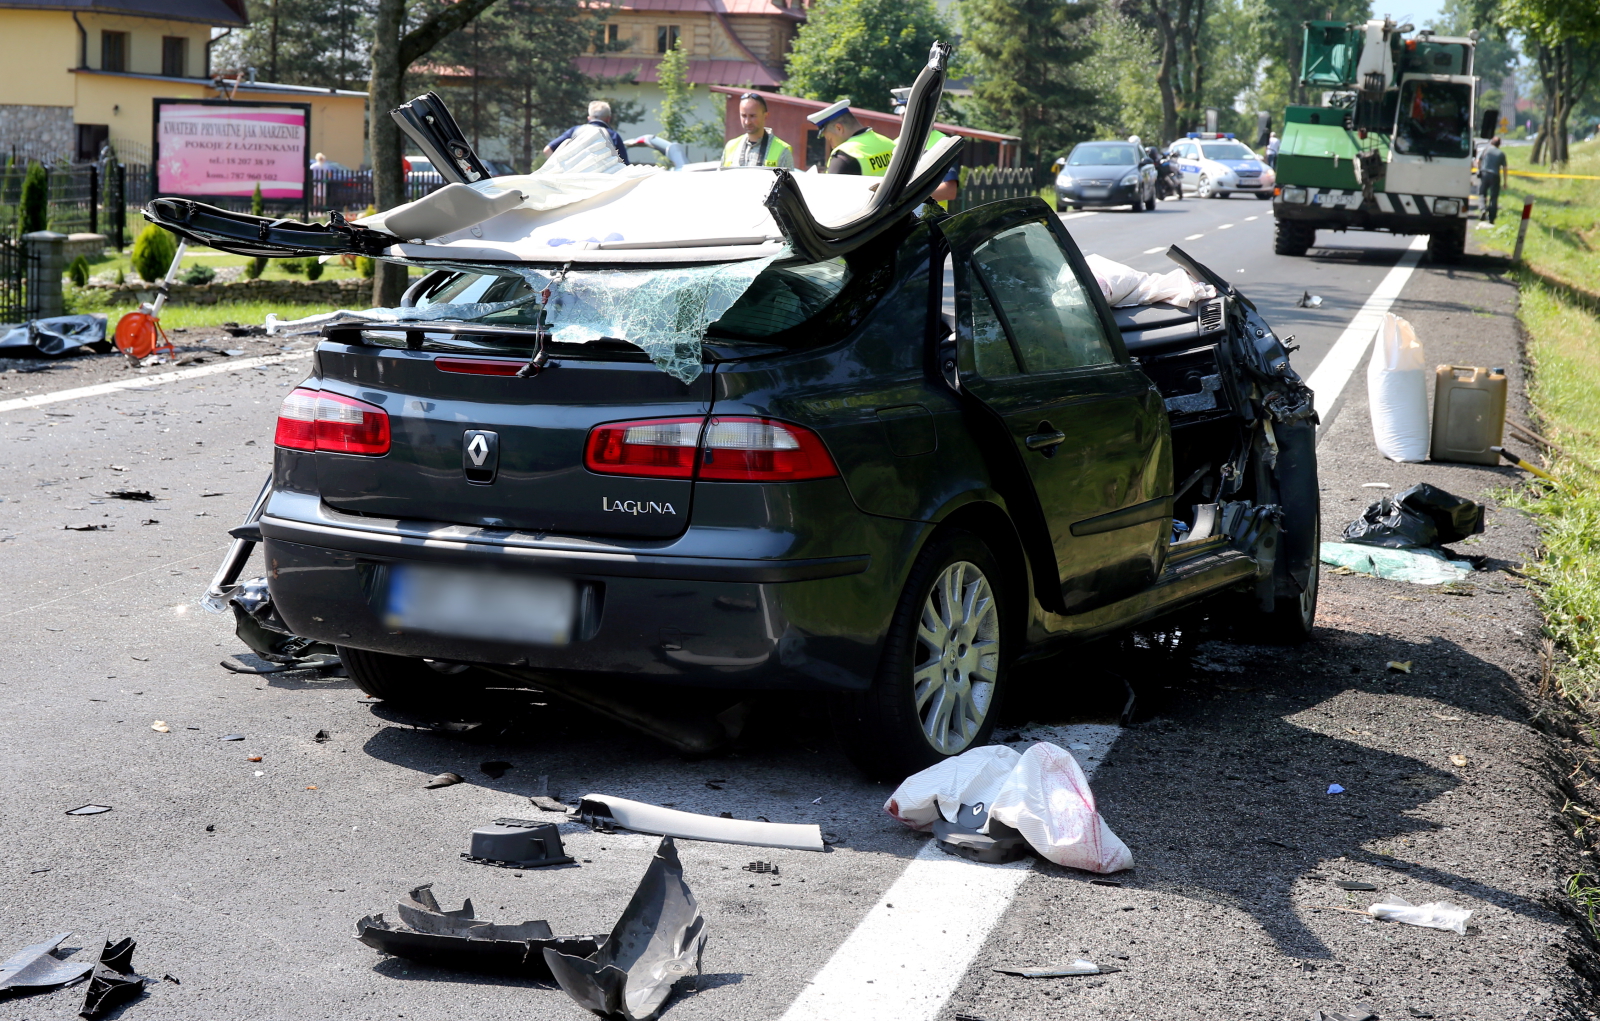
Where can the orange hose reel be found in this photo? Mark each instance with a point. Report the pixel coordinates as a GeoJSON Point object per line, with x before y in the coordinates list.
{"type": "Point", "coordinates": [139, 335]}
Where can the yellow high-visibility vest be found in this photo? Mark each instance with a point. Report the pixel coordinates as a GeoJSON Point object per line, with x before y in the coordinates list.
{"type": "Point", "coordinates": [871, 150]}
{"type": "Point", "coordinates": [776, 147]}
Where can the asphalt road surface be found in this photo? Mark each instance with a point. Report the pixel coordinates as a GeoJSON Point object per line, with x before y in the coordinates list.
{"type": "Point", "coordinates": [243, 879]}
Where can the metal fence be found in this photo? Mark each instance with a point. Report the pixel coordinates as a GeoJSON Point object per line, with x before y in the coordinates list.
{"type": "Point", "coordinates": [991, 184]}
{"type": "Point", "coordinates": [17, 267]}
{"type": "Point", "coordinates": [74, 198]}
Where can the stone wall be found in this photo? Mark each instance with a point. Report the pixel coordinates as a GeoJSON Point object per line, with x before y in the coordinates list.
{"type": "Point", "coordinates": [90, 246]}
{"type": "Point", "coordinates": [351, 293]}
{"type": "Point", "coordinates": [38, 131]}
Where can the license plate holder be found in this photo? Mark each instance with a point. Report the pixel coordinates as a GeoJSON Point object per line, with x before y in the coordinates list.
{"type": "Point", "coordinates": [1096, 193]}
{"type": "Point", "coordinates": [522, 609]}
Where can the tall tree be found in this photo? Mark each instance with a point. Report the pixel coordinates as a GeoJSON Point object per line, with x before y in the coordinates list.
{"type": "Point", "coordinates": [394, 50]}
{"type": "Point", "coordinates": [676, 115]}
{"type": "Point", "coordinates": [1027, 57]}
{"type": "Point", "coordinates": [1181, 73]}
{"type": "Point", "coordinates": [302, 42]}
{"type": "Point", "coordinates": [1564, 36]}
{"type": "Point", "coordinates": [520, 61]}
{"type": "Point", "coordinates": [860, 49]}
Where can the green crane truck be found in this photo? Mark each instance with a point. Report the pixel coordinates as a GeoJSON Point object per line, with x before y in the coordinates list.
{"type": "Point", "coordinates": [1391, 146]}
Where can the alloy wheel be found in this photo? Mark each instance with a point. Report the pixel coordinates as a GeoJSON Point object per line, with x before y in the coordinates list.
{"type": "Point", "coordinates": [1203, 189]}
{"type": "Point", "coordinates": [958, 658]}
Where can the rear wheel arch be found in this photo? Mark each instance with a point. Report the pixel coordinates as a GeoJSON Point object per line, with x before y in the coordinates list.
{"type": "Point", "coordinates": [995, 529]}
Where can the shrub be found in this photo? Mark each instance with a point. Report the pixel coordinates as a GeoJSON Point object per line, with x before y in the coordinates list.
{"type": "Point", "coordinates": [364, 267]}
{"type": "Point", "coordinates": [34, 207]}
{"type": "Point", "coordinates": [293, 267]}
{"type": "Point", "coordinates": [313, 269]}
{"type": "Point", "coordinates": [78, 272]}
{"type": "Point", "coordinates": [199, 274]}
{"type": "Point", "coordinates": [153, 250]}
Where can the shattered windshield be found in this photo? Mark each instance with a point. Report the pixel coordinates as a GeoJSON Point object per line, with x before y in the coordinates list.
{"type": "Point", "coordinates": [1435, 119]}
{"type": "Point", "coordinates": [664, 311]}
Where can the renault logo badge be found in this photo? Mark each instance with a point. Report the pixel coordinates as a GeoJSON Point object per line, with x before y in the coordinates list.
{"type": "Point", "coordinates": [480, 455]}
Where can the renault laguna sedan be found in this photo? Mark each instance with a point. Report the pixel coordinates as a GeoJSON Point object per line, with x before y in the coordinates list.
{"type": "Point", "coordinates": [752, 430]}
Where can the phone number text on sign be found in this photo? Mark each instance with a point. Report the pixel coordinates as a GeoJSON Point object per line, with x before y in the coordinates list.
{"type": "Point", "coordinates": [228, 149]}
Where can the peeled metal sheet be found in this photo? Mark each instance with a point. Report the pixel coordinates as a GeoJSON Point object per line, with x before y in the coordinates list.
{"type": "Point", "coordinates": [658, 940]}
{"type": "Point", "coordinates": [602, 811]}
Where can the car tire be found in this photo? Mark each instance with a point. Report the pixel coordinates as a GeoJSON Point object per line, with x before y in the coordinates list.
{"type": "Point", "coordinates": [1138, 205]}
{"type": "Point", "coordinates": [1060, 207]}
{"type": "Point", "coordinates": [1150, 203]}
{"type": "Point", "coordinates": [1202, 188]}
{"type": "Point", "coordinates": [905, 723]}
{"type": "Point", "coordinates": [408, 682]}
{"type": "Point", "coordinates": [1293, 238]}
{"type": "Point", "coordinates": [1264, 196]}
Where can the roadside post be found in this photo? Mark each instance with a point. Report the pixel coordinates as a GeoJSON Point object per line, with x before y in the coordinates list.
{"type": "Point", "coordinates": [1522, 230]}
{"type": "Point", "coordinates": [48, 249]}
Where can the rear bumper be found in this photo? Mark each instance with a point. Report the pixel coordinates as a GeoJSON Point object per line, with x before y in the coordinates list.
{"type": "Point", "coordinates": [1396, 214]}
{"type": "Point", "coordinates": [694, 620]}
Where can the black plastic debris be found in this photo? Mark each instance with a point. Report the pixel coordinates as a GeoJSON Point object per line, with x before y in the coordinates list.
{"type": "Point", "coordinates": [1350, 884]}
{"type": "Point", "coordinates": [37, 967]}
{"type": "Point", "coordinates": [322, 737]}
{"type": "Point", "coordinates": [89, 810]}
{"type": "Point", "coordinates": [55, 336]}
{"type": "Point", "coordinates": [113, 981]}
{"type": "Point", "coordinates": [964, 839]}
{"type": "Point", "coordinates": [1422, 516]}
{"type": "Point", "coordinates": [86, 528]}
{"type": "Point", "coordinates": [517, 844]}
{"type": "Point", "coordinates": [442, 780]}
{"type": "Point", "coordinates": [763, 868]}
{"type": "Point", "coordinates": [658, 940]}
{"type": "Point", "coordinates": [173, 979]}
{"type": "Point", "coordinates": [428, 934]}
{"type": "Point", "coordinates": [135, 495]}
{"type": "Point", "coordinates": [495, 770]}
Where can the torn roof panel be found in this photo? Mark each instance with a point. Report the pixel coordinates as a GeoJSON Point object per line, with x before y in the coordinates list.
{"type": "Point", "coordinates": [688, 217]}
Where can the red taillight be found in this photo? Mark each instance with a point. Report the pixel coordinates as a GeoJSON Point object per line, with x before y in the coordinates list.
{"type": "Point", "coordinates": [657, 447]}
{"type": "Point", "coordinates": [312, 420]}
{"type": "Point", "coordinates": [730, 449]}
{"type": "Point", "coordinates": [480, 366]}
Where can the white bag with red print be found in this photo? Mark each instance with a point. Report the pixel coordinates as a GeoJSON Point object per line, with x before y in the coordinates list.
{"type": "Point", "coordinates": [1042, 793]}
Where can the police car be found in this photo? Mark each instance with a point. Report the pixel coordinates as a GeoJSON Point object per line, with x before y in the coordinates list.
{"type": "Point", "coordinates": [1213, 165]}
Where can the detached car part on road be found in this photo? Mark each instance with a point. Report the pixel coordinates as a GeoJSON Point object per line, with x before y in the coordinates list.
{"type": "Point", "coordinates": [776, 455]}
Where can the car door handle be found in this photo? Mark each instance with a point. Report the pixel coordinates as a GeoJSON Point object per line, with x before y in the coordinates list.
{"type": "Point", "coordinates": [1043, 441]}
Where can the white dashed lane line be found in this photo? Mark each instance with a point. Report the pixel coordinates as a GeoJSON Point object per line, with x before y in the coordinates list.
{"type": "Point", "coordinates": [1077, 216]}
{"type": "Point", "coordinates": [1156, 250]}
{"type": "Point", "coordinates": [1249, 218]}
{"type": "Point", "coordinates": [1194, 237]}
{"type": "Point", "coordinates": [1225, 226]}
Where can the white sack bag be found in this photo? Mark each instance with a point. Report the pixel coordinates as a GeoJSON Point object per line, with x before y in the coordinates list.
{"type": "Point", "coordinates": [1397, 392]}
{"type": "Point", "coordinates": [1042, 793]}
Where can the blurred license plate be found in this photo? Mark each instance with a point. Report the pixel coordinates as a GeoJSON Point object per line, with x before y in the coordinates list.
{"type": "Point", "coordinates": [471, 604]}
{"type": "Point", "coordinates": [1096, 193]}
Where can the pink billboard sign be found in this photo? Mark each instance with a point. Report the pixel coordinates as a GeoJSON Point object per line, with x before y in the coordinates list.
{"type": "Point", "coordinates": [226, 149]}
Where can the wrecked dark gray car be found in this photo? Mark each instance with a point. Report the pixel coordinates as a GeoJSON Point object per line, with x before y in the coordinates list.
{"type": "Point", "coordinates": [756, 430]}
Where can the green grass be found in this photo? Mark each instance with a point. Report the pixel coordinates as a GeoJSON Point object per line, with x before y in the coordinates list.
{"type": "Point", "coordinates": [246, 313]}
{"type": "Point", "coordinates": [1564, 355]}
{"type": "Point", "coordinates": [1564, 233]}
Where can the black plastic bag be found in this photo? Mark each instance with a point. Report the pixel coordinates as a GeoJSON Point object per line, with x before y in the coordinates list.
{"type": "Point", "coordinates": [56, 336]}
{"type": "Point", "coordinates": [1422, 516]}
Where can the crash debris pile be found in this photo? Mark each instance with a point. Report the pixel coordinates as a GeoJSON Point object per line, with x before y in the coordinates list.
{"type": "Point", "coordinates": [993, 803]}
{"type": "Point", "coordinates": [112, 980]}
{"type": "Point", "coordinates": [626, 975]}
{"type": "Point", "coordinates": [1401, 538]}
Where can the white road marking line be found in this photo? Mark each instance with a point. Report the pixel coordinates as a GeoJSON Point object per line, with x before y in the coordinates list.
{"type": "Point", "coordinates": [1075, 216]}
{"type": "Point", "coordinates": [1249, 218]}
{"type": "Point", "coordinates": [135, 383]}
{"type": "Point", "coordinates": [1225, 226]}
{"type": "Point", "coordinates": [1157, 249]}
{"type": "Point", "coordinates": [903, 962]}
{"type": "Point", "coordinates": [119, 581]}
{"type": "Point", "coordinates": [1331, 375]}
{"type": "Point", "coordinates": [1194, 237]}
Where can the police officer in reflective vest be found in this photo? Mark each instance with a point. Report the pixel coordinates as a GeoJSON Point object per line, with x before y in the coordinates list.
{"type": "Point", "coordinates": [758, 146]}
{"type": "Point", "coordinates": [857, 149]}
